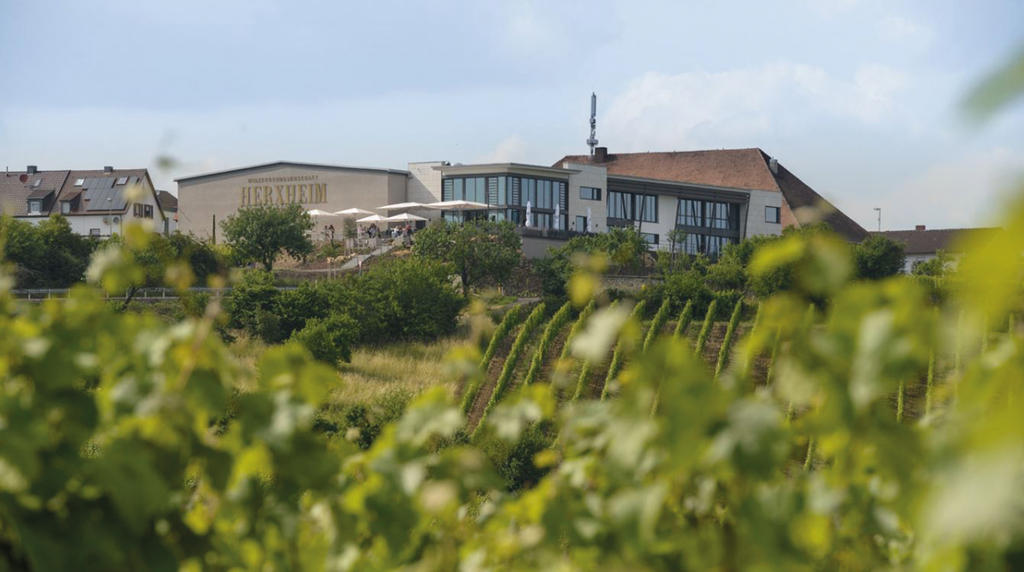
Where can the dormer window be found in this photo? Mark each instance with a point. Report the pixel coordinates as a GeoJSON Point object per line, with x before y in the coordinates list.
{"type": "Point", "coordinates": [65, 207]}
{"type": "Point", "coordinates": [121, 180]}
{"type": "Point", "coordinates": [35, 206]}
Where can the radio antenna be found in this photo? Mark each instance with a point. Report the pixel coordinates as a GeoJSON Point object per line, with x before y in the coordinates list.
{"type": "Point", "coordinates": [593, 123]}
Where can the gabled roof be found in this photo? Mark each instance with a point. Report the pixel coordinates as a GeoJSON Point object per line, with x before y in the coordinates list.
{"type": "Point", "coordinates": [168, 202]}
{"type": "Point", "coordinates": [278, 164]}
{"type": "Point", "coordinates": [14, 192]}
{"type": "Point", "coordinates": [732, 168]}
{"type": "Point", "coordinates": [931, 241]}
{"type": "Point", "coordinates": [799, 195]}
{"type": "Point", "coordinates": [740, 169]}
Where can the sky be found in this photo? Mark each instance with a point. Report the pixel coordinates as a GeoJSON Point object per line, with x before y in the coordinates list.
{"type": "Point", "coordinates": [862, 99]}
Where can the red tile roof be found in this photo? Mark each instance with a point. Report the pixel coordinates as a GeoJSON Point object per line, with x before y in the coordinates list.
{"type": "Point", "coordinates": [734, 168]}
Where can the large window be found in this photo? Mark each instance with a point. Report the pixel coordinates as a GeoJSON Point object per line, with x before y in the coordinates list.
{"type": "Point", "coordinates": [632, 206]}
{"type": "Point", "coordinates": [590, 194]}
{"type": "Point", "coordinates": [510, 194]}
{"type": "Point", "coordinates": [709, 225]}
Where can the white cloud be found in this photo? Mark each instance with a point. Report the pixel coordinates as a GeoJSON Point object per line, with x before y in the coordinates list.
{"type": "Point", "coordinates": [661, 111]}
{"type": "Point", "coordinates": [509, 149]}
{"type": "Point", "coordinates": [961, 191]}
{"type": "Point", "coordinates": [915, 35]}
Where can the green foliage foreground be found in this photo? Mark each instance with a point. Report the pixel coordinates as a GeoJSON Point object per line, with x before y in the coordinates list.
{"type": "Point", "coordinates": [126, 443]}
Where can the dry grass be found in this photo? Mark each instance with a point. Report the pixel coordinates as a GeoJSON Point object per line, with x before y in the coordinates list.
{"type": "Point", "coordinates": [407, 367]}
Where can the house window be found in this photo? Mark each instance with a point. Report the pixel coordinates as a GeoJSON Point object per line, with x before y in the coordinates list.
{"type": "Point", "coordinates": [121, 180]}
{"type": "Point", "coordinates": [94, 232]}
{"type": "Point", "coordinates": [65, 207]}
{"type": "Point", "coordinates": [590, 194]}
{"type": "Point", "coordinates": [79, 182]}
{"type": "Point", "coordinates": [771, 214]}
{"type": "Point", "coordinates": [35, 206]}
{"type": "Point", "coordinates": [147, 211]}
{"type": "Point", "coordinates": [649, 237]}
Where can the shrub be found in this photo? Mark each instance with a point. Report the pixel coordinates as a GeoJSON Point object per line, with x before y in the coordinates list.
{"type": "Point", "coordinates": [688, 286]}
{"type": "Point", "coordinates": [330, 339]}
{"type": "Point", "coordinates": [878, 257]}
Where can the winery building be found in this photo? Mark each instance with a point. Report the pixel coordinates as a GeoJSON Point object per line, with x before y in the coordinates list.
{"type": "Point", "coordinates": [714, 197]}
{"type": "Point", "coordinates": [204, 201]}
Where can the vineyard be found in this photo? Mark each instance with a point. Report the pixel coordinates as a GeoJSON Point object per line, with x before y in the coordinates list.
{"type": "Point", "coordinates": [839, 424]}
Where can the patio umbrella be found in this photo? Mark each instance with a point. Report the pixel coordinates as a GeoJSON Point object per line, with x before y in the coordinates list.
{"type": "Point", "coordinates": [353, 212]}
{"type": "Point", "coordinates": [318, 212]}
{"type": "Point", "coordinates": [528, 210]}
{"type": "Point", "coordinates": [404, 217]}
{"type": "Point", "coordinates": [400, 206]}
{"type": "Point", "coordinates": [589, 224]}
{"type": "Point", "coordinates": [371, 219]}
{"type": "Point", "coordinates": [558, 215]}
{"type": "Point", "coordinates": [458, 206]}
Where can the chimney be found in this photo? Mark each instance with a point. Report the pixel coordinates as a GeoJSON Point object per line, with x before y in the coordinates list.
{"type": "Point", "coordinates": [773, 164]}
{"type": "Point", "coordinates": [31, 169]}
{"type": "Point", "coordinates": [108, 169]}
{"type": "Point", "coordinates": [919, 227]}
{"type": "Point", "coordinates": [600, 154]}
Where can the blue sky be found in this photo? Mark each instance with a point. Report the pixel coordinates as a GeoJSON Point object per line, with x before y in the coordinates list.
{"type": "Point", "coordinates": [860, 98]}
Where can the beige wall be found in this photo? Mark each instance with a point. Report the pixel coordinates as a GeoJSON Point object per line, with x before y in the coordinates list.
{"type": "Point", "coordinates": [327, 189]}
{"type": "Point", "coordinates": [589, 176]}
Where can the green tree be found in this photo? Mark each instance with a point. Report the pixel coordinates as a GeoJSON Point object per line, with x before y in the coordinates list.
{"type": "Point", "coordinates": [260, 233]}
{"type": "Point", "coordinates": [47, 255]}
{"type": "Point", "coordinates": [878, 257]}
{"type": "Point", "coordinates": [476, 249]}
{"type": "Point", "coordinates": [936, 267]}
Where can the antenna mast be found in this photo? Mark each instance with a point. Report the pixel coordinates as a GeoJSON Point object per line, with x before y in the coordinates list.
{"type": "Point", "coordinates": [593, 123]}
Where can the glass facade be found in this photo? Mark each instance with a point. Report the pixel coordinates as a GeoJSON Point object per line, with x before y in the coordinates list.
{"type": "Point", "coordinates": [709, 225]}
{"type": "Point", "coordinates": [509, 195]}
{"type": "Point", "coordinates": [632, 206]}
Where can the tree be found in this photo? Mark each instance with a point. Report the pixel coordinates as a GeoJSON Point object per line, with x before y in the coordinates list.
{"type": "Point", "coordinates": [47, 255]}
{"type": "Point", "coordinates": [477, 249]}
{"type": "Point", "coordinates": [260, 233]}
{"type": "Point", "coordinates": [937, 266]}
{"type": "Point", "coordinates": [878, 257]}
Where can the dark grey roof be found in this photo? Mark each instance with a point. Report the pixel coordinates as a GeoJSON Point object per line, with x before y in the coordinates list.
{"type": "Point", "coordinates": [168, 202]}
{"type": "Point", "coordinates": [932, 241]}
{"type": "Point", "coordinates": [100, 194]}
{"type": "Point", "coordinates": [40, 193]}
{"type": "Point", "coordinates": [276, 164]}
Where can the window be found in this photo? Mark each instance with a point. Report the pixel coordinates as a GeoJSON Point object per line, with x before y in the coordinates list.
{"type": "Point", "coordinates": [630, 206]}
{"type": "Point", "coordinates": [649, 237]}
{"type": "Point", "coordinates": [147, 211]}
{"type": "Point", "coordinates": [65, 207]}
{"type": "Point", "coordinates": [94, 232]}
{"type": "Point", "coordinates": [721, 215]}
{"type": "Point", "coordinates": [121, 180]}
{"type": "Point", "coordinates": [581, 224]}
{"type": "Point", "coordinates": [35, 206]}
{"type": "Point", "coordinates": [590, 194]}
{"type": "Point", "coordinates": [79, 182]}
{"type": "Point", "coordinates": [771, 214]}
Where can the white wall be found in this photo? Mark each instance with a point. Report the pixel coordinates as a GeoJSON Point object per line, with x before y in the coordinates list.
{"type": "Point", "coordinates": [589, 176]}
{"type": "Point", "coordinates": [756, 224]}
{"type": "Point", "coordinates": [424, 186]}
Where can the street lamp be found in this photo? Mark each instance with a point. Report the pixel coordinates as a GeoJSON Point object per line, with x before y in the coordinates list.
{"type": "Point", "coordinates": [879, 211]}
